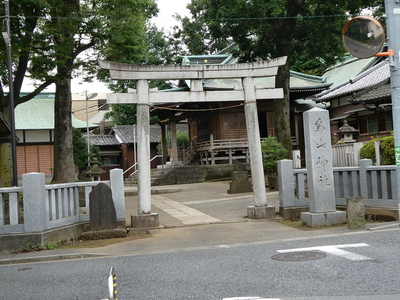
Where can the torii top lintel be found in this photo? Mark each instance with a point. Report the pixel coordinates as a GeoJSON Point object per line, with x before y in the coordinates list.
{"type": "Point", "coordinates": [121, 71]}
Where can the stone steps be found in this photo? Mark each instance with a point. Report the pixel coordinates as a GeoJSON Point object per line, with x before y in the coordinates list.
{"type": "Point", "coordinates": [156, 174]}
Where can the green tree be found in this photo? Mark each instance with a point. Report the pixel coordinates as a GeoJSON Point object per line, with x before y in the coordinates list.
{"type": "Point", "coordinates": [50, 40]}
{"type": "Point", "coordinates": [122, 114]}
{"type": "Point", "coordinates": [159, 49]}
{"type": "Point", "coordinates": [308, 32]}
{"type": "Point", "coordinates": [272, 151]}
{"type": "Point", "coordinates": [80, 149]}
{"type": "Point", "coordinates": [181, 139]}
{"type": "Point", "coordinates": [387, 152]}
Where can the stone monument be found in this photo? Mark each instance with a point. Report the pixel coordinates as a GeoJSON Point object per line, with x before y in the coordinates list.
{"type": "Point", "coordinates": [318, 151]}
{"type": "Point", "coordinates": [103, 216]}
{"type": "Point", "coordinates": [240, 179]}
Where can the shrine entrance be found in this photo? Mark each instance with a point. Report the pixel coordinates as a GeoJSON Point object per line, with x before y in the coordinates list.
{"type": "Point", "coordinates": [143, 97]}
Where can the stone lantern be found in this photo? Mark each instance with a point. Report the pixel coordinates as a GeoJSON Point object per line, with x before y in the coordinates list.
{"type": "Point", "coordinates": [95, 171]}
{"type": "Point", "coordinates": [346, 133]}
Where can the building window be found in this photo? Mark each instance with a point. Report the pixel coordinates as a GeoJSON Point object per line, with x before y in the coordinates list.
{"type": "Point", "coordinates": [375, 123]}
{"type": "Point", "coordinates": [110, 160]}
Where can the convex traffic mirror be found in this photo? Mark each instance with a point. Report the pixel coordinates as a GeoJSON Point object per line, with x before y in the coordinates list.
{"type": "Point", "coordinates": [363, 36]}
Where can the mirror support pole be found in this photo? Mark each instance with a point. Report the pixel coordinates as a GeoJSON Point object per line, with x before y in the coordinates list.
{"type": "Point", "coordinates": [392, 8]}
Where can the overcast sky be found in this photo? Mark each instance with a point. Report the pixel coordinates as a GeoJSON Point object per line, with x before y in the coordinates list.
{"type": "Point", "coordinates": [168, 8]}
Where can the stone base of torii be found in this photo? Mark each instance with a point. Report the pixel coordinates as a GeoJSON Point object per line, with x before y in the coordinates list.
{"type": "Point", "coordinates": [143, 97]}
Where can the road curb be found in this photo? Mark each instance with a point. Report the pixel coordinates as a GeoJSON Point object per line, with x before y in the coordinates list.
{"type": "Point", "coordinates": [45, 258]}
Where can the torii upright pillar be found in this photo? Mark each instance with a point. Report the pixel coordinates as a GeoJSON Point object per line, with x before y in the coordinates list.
{"type": "Point", "coordinates": [143, 147]}
{"type": "Point", "coordinates": [143, 97]}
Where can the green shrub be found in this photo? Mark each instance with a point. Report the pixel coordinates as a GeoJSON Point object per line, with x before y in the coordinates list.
{"type": "Point", "coordinates": [272, 151]}
{"type": "Point", "coordinates": [388, 155]}
{"type": "Point", "coordinates": [181, 139]}
{"type": "Point", "coordinates": [387, 150]}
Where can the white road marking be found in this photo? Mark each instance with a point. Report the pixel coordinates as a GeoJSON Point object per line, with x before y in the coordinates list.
{"type": "Point", "coordinates": [335, 250]}
{"type": "Point", "coordinates": [185, 214]}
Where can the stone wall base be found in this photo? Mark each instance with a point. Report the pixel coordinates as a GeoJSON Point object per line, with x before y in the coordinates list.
{"type": "Point", "coordinates": [261, 212]}
{"type": "Point", "coordinates": [293, 212]}
{"type": "Point", "coordinates": [322, 219]}
{"type": "Point", "coordinates": [14, 241]}
{"type": "Point", "coordinates": [145, 220]}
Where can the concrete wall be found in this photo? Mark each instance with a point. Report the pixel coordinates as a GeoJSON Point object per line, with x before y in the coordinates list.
{"type": "Point", "coordinates": [50, 213]}
{"type": "Point", "coordinates": [193, 174]}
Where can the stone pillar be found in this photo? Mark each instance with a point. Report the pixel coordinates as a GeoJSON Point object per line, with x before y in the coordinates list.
{"type": "Point", "coordinates": [117, 189]}
{"type": "Point", "coordinates": [260, 210]}
{"type": "Point", "coordinates": [286, 187]}
{"type": "Point", "coordinates": [143, 145]}
{"type": "Point", "coordinates": [320, 170]}
{"type": "Point", "coordinates": [144, 218]}
{"type": "Point", "coordinates": [36, 212]}
{"type": "Point", "coordinates": [365, 189]}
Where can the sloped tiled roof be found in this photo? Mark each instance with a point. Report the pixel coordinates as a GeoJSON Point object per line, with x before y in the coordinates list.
{"type": "Point", "coordinates": [371, 77]}
{"type": "Point", "coordinates": [38, 114]}
{"type": "Point", "coordinates": [298, 81]}
{"type": "Point", "coordinates": [380, 93]}
{"type": "Point", "coordinates": [124, 133]}
{"type": "Point", "coordinates": [103, 140]}
{"type": "Point", "coordinates": [350, 67]}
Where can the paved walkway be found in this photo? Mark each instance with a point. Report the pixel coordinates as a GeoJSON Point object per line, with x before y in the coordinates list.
{"type": "Point", "coordinates": [192, 216]}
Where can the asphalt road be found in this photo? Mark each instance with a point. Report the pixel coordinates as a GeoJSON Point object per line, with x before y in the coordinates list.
{"type": "Point", "coordinates": [359, 266]}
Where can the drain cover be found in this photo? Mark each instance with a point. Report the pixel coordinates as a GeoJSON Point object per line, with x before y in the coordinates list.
{"type": "Point", "coordinates": [299, 256]}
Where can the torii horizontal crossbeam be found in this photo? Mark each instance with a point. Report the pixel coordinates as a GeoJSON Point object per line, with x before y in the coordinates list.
{"type": "Point", "coordinates": [121, 71]}
{"type": "Point", "coordinates": [179, 97]}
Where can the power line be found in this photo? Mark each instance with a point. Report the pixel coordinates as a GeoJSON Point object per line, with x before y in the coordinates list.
{"type": "Point", "coordinates": [205, 19]}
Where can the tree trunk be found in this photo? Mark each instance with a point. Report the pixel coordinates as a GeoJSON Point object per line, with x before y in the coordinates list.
{"type": "Point", "coordinates": [6, 178]}
{"type": "Point", "coordinates": [6, 163]}
{"type": "Point", "coordinates": [64, 170]}
{"type": "Point", "coordinates": [282, 109]}
{"type": "Point", "coordinates": [283, 41]}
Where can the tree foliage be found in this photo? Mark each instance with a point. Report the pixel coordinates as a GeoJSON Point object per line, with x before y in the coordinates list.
{"type": "Point", "coordinates": [308, 32]}
{"type": "Point", "coordinates": [387, 152]}
{"type": "Point", "coordinates": [272, 151]}
{"type": "Point", "coordinates": [51, 39]}
{"type": "Point", "coordinates": [80, 149]}
{"type": "Point", "coordinates": [159, 50]}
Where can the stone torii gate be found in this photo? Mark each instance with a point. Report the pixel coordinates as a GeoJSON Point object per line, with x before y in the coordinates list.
{"type": "Point", "coordinates": [143, 97]}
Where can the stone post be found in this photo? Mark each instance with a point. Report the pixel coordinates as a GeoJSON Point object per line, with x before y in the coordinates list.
{"type": "Point", "coordinates": [320, 170]}
{"type": "Point", "coordinates": [117, 189]}
{"type": "Point", "coordinates": [36, 212]}
{"type": "Point", "coordinates": [260, 210]}
{"type": "Point", "coordinates": [365, 189]}
{"type": "Point", "coordinates": [286, 188]}
{"type": "Point", "coordinates": [355, 213]}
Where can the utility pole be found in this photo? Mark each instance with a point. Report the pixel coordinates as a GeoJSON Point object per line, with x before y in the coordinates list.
{"type": "Point", "coordinates": [88, 97]}
{"type": "Point", "coordinates": [7, 39]}
{"type": "Point", "coordinates": [392, 8]}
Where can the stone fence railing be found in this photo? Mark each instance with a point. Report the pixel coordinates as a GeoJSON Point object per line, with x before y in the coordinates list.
{"type": "Point", "coordinates": [36, 207]}
{"type": "Point", "coordinates": [376, 184]}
